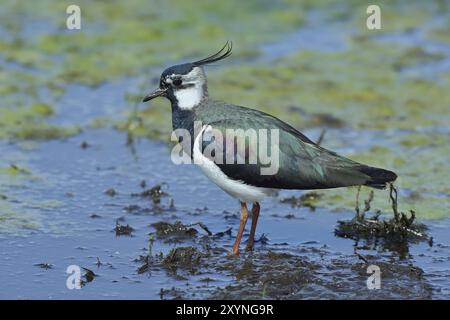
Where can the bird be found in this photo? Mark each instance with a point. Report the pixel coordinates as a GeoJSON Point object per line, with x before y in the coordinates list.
{"type": "Point", "coordinates": [301, 163]}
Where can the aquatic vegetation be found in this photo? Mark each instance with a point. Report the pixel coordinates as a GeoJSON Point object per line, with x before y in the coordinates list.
{"type": "Point", "coordinates": [184, 258]}
{"type": "Point", "coordinates": [440, 33]}
{"type": "Point", "coordinates": [166, 229]}
{"type": "Point", "coordinates": [88, 276]}
{"type": "Point", "coordinates": [111, 192]}
{"type": "Point", "coordinates": [123, 230]}
{"type": "Point", "coordinates": [29, 123]}
{"type": "Point", "coordinates": [116, 40]}
{"type": "Point", "coordinates": [175, 232]}
{"type": "Point", "coordinates": [338, 86]}
{"type": "Point", "coordinates": [416, 55]}
{"type": "Point", "coordinates": [43, 132]}
{"type": "Point", "coordinates": [362, 82]}
{"type": "Point", "coordinates": [13, 219]}
{"type": "Point", "coordinates": [155, 193]}
{"type": "Point", "coordinates": [395, 233]}
{"type": "Point", "coordinates": [20, 210]}
{"type": "Point", "coordinates": [278, 274]}
{"type": "Point", "coordinates": [123, 38]}
{"type": "Point", "coordinates": [44, 265]}
{"type": "Point", "coordinates": [309, 199]}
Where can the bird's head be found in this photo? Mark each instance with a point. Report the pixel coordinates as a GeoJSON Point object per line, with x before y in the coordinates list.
{"type": "Point", "coordinates": [185, 84]}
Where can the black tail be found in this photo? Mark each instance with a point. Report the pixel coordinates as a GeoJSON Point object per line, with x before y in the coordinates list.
{"type": "Point", "coordinates": [379, 178]}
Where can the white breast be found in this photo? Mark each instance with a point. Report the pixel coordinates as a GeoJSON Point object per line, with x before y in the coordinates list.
{"type": "Point", "coordinates": [235, 188]}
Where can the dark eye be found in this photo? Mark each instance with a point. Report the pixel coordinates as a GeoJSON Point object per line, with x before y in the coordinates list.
{"type": "Point", "coordinates": [177, 82]}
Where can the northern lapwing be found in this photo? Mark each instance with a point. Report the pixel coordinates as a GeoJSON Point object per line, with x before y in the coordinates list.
{"type": "Point", "coordinates": [301, 163]}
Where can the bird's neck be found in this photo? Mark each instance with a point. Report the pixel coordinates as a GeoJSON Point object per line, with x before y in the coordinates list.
{"type": "Point", "coordinates": [182, 118]}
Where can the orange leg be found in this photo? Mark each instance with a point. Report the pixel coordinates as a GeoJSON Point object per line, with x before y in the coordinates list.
{"type": "Point", "coordinates": [244, 217]}
{"type": "Point", "coordinates": [255, 215]}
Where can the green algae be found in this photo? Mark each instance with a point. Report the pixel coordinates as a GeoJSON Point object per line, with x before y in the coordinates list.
{"type": "Point", "coordinates": [29, 123]}
{"type": "Point", "coordinates": [416, 55]}
{"type": "Point", "coordinates": [416, 139]}
{"type": "Point", "coordinates": [21, 206]}
{"type": "Point", "coordinates": [309, 199]}
{"type": "Point", "coordinates": [120, 39]}
{"type": "Point", "coordinates": [423, 177]}
{"type": "Point", "coordinates": [399, 16]}
{"type": "Point", "coordinates": [13, 216]}
{"type": "Point", "coordinates": [421, 161]}
{"type": "Point", "coordinates": [23, 115]}
{"type": "Point", "coordinates": [440, 33]}
{"type": "Point", "coordinates": [14, 219]}
{"type": "Point", "coordinates": [42, 131]}
{"type": "Point", "coordinates": [151, 122]}
{"type": "Point", "coordinates": [340, 84]}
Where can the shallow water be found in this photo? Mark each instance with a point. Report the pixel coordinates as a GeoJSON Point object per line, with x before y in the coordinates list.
{"type": "Point", "coordinates": [315, 35]}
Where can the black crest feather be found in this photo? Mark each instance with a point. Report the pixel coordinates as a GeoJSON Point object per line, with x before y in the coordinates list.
{"type": "Point", "coordinates": [221, 54]}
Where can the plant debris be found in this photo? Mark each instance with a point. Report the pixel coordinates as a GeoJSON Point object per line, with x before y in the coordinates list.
{"type": "Point", "coordinates": [263, 239]}
{"type": "Point", "coordinates": [223, 233]}
{"type": "Point", "coordinates": [183, 258]}
{"type": "Point", "coordinates": [122, 230]}
{"type": "Point", "coordinates": [145, 267]}
{"type": "Point", "coordinates": [178, 231]}
{"type": "Point", "coordinates": [399, 229]}
{"type": "Point", "coordinates": [84, 145]}
{"type": "Point", "coordinates": [155, 193]}
{"type": "Point", "coordinates": [88, 276]}
{"type": "Point", "coordinates": [44, 265]}
{"type": "Point", "coordinates": [137, 210]}
{"type": "Point", "coordinates": [15, 169]}
{"type": "Point", "coordinates": [179, 258]}
{"type": "Point", "coordinates": [148, 259]}
{"type": "Point", "coordinates": [111, 192]}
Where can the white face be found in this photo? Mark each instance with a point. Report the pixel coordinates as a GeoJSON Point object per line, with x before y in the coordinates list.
{"type": "Point", "coordinates": [192, 89]}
